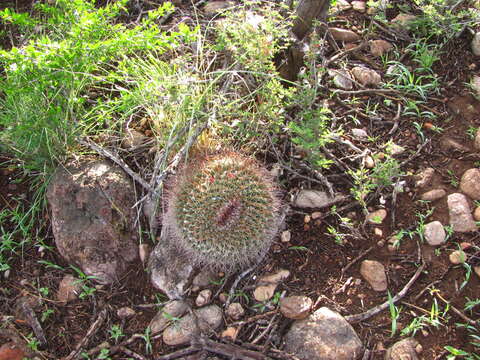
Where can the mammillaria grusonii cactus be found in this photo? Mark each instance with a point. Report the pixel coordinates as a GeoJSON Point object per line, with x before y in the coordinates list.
{"type": "Point", "coordinates": [223, 211]}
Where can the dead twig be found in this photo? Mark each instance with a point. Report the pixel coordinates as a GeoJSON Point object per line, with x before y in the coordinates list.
{"type": "Point", "coordinates": [353, 319]}
{"type": "Point", "coordinates": [34, 323]}
{"type": "Point", "coordinates": [354, 261]}
{"type": "Point", "coordinates": [97, 324]}
{"type": "Point", "coordinates": [396, 120]}
{"type": "Point", "coordinates": [455, 310]}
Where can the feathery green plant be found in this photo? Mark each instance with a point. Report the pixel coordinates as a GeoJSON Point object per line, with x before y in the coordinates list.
{"type": "Point", "coordinates": [223, 211]}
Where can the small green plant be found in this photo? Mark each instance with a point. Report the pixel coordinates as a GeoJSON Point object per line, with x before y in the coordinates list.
{"type": "Point", "coordinates": [472, 131]}
{"type": "Point", "coordinates": [104, 354]}
{"type": "Point", "coordinates": [223, 210]}
{"type": "Point", "coordinates": [116, 333]}
{"type": "Point", "coordinates": [394, 314]}
{"type": "Point", "coordinates": [453, 179]}
{"type": "Point", "coordinates": [46, 314]}
{"type": "Point", "coordinates": [147, 337]}
{"type": "Point", "coordinates": [84, 280]}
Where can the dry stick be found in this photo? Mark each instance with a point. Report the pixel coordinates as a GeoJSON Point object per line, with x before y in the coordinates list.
{"type": "Point", "coordinates": [180, 353]}
{"type": "Point", "coordinates": [87, 142]}
{"type": "Point", "coordinates": [34, 323]}
{"type": "Point", "coordinates": [354, 261]}
{"type": "Point", "coordinates": [343, 53]}
{"type": "Point", "coordinates": [91, 331]}
{"type": "Point", "coordinates": [235, 284]}
{"type": "Point", "coordinates": [396, 120]}
{"type": "Point", "coordinates": [230, 350]}
{"type": "Point", "coordinates": [353, 319]}
{"type": "Point", "coordinates": [131, 353]}
{"type": "Point", "coordinates": [456, 311]}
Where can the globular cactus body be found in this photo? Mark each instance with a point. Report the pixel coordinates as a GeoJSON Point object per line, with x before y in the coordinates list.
{"type": "Point", "coordinates": [223, 211]}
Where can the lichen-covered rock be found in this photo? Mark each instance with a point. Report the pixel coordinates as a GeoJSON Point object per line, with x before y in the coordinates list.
{"type": "Point", "coordinates": [92, 206]}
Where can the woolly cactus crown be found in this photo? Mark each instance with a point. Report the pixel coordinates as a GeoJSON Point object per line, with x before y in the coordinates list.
{"type": "Point", "coordinates": [223, 211]}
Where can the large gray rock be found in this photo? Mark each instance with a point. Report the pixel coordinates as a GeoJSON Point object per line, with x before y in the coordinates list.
{"type": "Point", "coordinates": [93, 214]}
{"type": "Point", "coordinates": [324, 335]}
{"type": "Point", "coordinates": [460, 214]}
{"type": "Point", "coordinates": [470, 183]}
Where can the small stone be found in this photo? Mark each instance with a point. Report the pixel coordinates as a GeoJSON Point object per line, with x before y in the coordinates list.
{"type": "Point", "coordinates": [403, 19]}
{"type": "Point", "coordinates": [395, 149]}
{"type": "Point", "coordinates": [419, 348]}
{"type": "Point", "coordinates": [377, 216]}
{"type": "Point", "coordinates": [296, 307]}
{"type": "Point", "coordinates": [360, 134]}
{"type": "Point", "coordinates": [269, 283]}
{"type": "Point", "coordinates": [369, 162]}
{"type": "Point", "coordinates": [380, 47]}
{"type": "Point", "coordinates": [475, 83]}
{"type": "Point", "coordinates": [316, 215]}
{"type": "Point", "coordinates": [223, 298]}
{"type": "Point", "coordinates": [381, 243]}
{"type": "Point", "coordinates": [449, 144]}
{"type": "Point", "coordinates": [476, 44]}
{"type": "Point", "coordinates": [344, 35]}
{"type": "Point", "coordinates": [179, 333]}
{"type": "Point", "coordinates": [378, 232]}
{"type": "Point", "coordinates": [230, 332]}
{"type": "Point", "coordinates": [125, 313]}
{"type": "Point", "coordinates": [359, 6]}
{"type": "Point", "coordinates": [433, 195]}
{"type": "Point", "coordinates": [342, 5]}
{"type": "Point", "coordinates": [315, 199]}
{"type": "Point", "coordinates": [235, 311]}
{"type": "Point", "coordinates": [366, 76]}
{"type": "Point", "coordinates": [341, 79]}
{"type": "Point", "coordinates": [324, 335]}
{"type": "Point", "coordinates": [470, 183]}
{"type": "Point", "coordinates": [476, 214]}
{"type": "Point", "coordinates": [477, 270]}
{"type": "Point", "coordinates": [204, 278]}
{"type": "Point", "coordinates": [143, 252]}
{"type": "Point", "coordinates": [465, 245]}
{"type": "Point", "coordinates": [307, 219]}
{"type": "Point", "coordinates": [457, 257]}
{"type": "Point", "coordinates": [133, 139]}
{"type": "Point", "coordinates": [172, 310]}
{"type": "Point", "coordinates": [286, 236]}
{"type": "Point", "coordinates": [69, 289]}
{"type": "Point", "coordinates": [403, 350]}
{"type": "Point", "coordinates": [424, 177]}
{"type": "Point", "coordinates": [476, 143]}
{"type": "Point", "coordinates": [10, 351]}
{"type": "Point", "coordinates": [204, 297]}
{"type": "Point", "coordinates": [374, 273]}
{"type": "Point", "coordinates": [214, 7]}
{"type": "Point", "coordinates": [435, 233]}
{"type": "Point", "coordinates": [461, 218]}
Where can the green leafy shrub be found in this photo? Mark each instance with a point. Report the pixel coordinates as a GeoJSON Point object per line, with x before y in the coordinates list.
{"type": "Point", "coordinates": [223, 211]}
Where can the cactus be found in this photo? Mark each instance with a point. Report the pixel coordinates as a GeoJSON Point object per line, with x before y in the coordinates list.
{"type": "Point", "coordinates": [223, 211]}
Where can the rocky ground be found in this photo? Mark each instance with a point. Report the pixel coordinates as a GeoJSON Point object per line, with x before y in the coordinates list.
{"type": "Point", "coordinates": [392, 283]}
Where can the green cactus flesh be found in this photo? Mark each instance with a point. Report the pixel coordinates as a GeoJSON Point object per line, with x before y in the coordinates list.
{"type": "Point", "coordinates": [225, 212]}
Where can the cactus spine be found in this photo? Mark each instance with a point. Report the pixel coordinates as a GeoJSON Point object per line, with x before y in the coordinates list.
{"type": "Point", "coordinates": [223, 211]}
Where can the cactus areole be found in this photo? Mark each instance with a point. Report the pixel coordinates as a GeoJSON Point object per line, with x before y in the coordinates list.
{"type": "Point", "coordinates": [223, 211]}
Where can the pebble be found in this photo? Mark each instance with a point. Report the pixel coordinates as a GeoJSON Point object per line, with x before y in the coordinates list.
{"type": "Point", "coordinates": [179, 333]}
{"type": "Point", "coordinates": [457, 257]}
{"type": "Point", "coordinates": [344, 35]}
{"type": "Point", "coordinates": [296, 307]}
{"type": "Point", "coordinates": [395, 149]}
{"type": "Point", "coordinates": [449, 144]}
{"type": "Point", "coordinates": [143, 252]}
{"type": "Point", "coordinates": [342, 5]}
{"type": "Point", "coordinates": [476, 44]}
{"type": "Point", "coordinates": [435, 233]}
{"type": "Point", "coordinates": [316, 215]}
{"type": "Point", "coordinates": [380, 47]}
{"type": "Point", "coordinates": [69, 289]}
{"type": "Point", "coordinates": [377, 216]}
{"type": "Point", "coordinates": [204, 297]}
{"type": "Point", "coordinates": [341, 79]}
{"type": "Point", "coordinates": [405, 349]}
{"type": "Point", "coordinates": [476, 142]}
{"type": "Point", "coordinates": [476, 214]}
{"type": "Point", "coordinates": [286, 236]}
{"type": "Point", "coordinates": [162, 319]}
{"type": "Point", "coordinates": [433, 195]}
{"type": "Point", "coordinates": [378, 232]}
{"type": "Point", "coordinates": [475, 83]}
{"type": "Point", "coordinates": [10, 351]}
{"type": "Point", "coordinates": [366, 76]}
{"type": "Point", "coordinates": [374, 273]}
{"type": "Point", "coordinates": [235, 311]}
{"type": "Point", "coordinates": [470, 183]}
{"type": "Point", "coordinates": [269, 283]}
{"type": "Point", "coordinates": [359, 6]}
{"type": "Point", "coordinates": [369, 162]}
{"type": "Point", "coordinates": [230, 332]}
{"type": "Point", "coordinates": [403, 19]}
{"type": "Point", "coordinates": [125, 313]}
{"type": "Point", "coordinates": [323, 335]}
{"type": "Point", "coordinates": [424, 177]}
{"type": "Point", "coordinates": [214, 7]}
{"type": "Point", "coordinates": [315, 199]}
{"type": "Point", "coordinates": [461, 218]}
{"type": "Point", "coordinates": [360, 134]}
